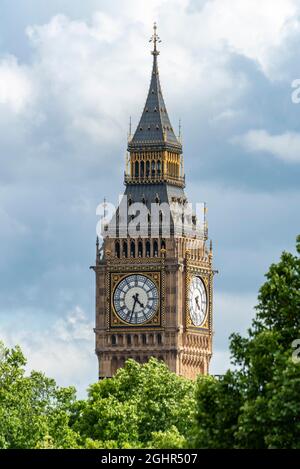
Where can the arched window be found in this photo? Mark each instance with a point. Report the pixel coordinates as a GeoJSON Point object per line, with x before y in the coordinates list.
{"type": "Point", "coordinates": [132, 249]}
{"type": "Point", "coordinates": [155, 248]}
{"type": "Point", "coordinates": [142, 169]}
{"type": "Point", "coordinates": [113, 340]}
{"type": "Point", "coordinates": [140, 249]}
{"type": "Point", "coordinates": [148, 248]}
{"type": "Point", "coordinates": [129, 339]}
{"type": "Point", "coordinates": [147, 168]}
{"type": "Point", "coordinates": [163, 244]}
{"type": "Point", "coordinates": [158, 168]}
{"type": "Point", "coordinates": [125, 249]}
{"type": "Point", "coordinates": [136, 340]}
{"type": "Point", "coordinates": [153, 168]}
{"type": "Point", "coordinates": [151, 339]}
{"type": "Point", "coordinates": [144, 339]}
{"type": "Point", "coordinates": [117, 249]}
{"type": "Point", "coordinates": [136, 172]}
{"type": "Point", "coordinates": [159, 341]}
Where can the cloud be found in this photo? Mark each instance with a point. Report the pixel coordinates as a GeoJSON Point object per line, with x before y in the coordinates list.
{"type": "Point", "coordinates": [64, 350]}
{"type": "Point", "coordinates": [70, 76]}
{"type": "Point", "coordinates": [285, 147]}
{"type": "Point", "coordinates": [16, 87]}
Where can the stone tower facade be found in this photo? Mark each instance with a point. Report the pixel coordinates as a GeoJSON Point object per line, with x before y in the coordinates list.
{"type": "Point", "coordinates": [154, 276]}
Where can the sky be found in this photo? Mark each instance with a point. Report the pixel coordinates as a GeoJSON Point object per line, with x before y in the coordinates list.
{"type": "Point", "coordinates": [71, 74]}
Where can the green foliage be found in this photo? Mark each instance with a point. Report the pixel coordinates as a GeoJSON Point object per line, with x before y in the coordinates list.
{"type": "Point", "coordinates": [138, 403]}
{"type": "Point", "coordinates": [218, 402]}
{"type": "Point", "coordinates": [169, 439]}
{"type": "Point", "coordinates": [34, 412]}
{"type": "Point", "coordinates": [257, 406]}
{"type": "Point", "coordinates": [147, 406]}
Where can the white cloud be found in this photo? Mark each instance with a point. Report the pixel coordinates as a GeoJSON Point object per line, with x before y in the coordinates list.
{"type": "Point", "coordinates": [83, 80]}
{"type": "Point", "coordinates": [16, 88]}
{"type": "Point", "coordinates": [252, 28]}
{"type": "Point", "coordinates": [64, 351]}
{"type": "Point", "coordinates": [93, 74]}
{"type": "Point", "coordinates": [285, 146]}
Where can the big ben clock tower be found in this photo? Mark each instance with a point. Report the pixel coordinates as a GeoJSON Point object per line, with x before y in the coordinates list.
{"type": "Point", "coordinates": [154, 283]}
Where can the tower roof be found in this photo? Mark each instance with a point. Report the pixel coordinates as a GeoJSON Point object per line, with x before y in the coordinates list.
{"type": "Point", "coordinates": [155, 130]}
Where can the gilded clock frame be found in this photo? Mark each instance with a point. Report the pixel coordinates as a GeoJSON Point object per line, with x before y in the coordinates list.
{"type": "Point", "coordinates": [157, 321]}
{"type": "Point", "coordinates": [206, 276]}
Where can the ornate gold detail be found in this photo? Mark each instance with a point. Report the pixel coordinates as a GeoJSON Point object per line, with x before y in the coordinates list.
{"type": "Point", "coordinates": [205, 275]}
{"type": "Point", "coordinates": [115, 320]}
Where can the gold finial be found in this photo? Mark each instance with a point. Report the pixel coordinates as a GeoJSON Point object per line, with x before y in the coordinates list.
{"type": "Point", "coordinates": [155, 39]}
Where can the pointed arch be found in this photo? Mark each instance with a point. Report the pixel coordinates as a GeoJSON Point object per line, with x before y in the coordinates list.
{"type": "Point", "coordinates": [148, 248]}
{"type": "Point", "coordinates": [125, 249]}
{"type": "Point", "coordinates": [147, 168]}
{"type": "Point", "coordinates": [136, 170]}
{"type": "Point", "coordinates": [142, 169]}
{"type": "Point", "coordinates": [140, 249]}
{"type": "Point", "coordinates": [132, 249]}
{"type": "Point", "coordinates": [158, 168]}
{"type": "Point", "coordinates": [153, 168]}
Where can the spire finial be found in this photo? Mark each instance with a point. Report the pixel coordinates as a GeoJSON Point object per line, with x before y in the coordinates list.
{"type": "Point", "coordinates": [155, 39]}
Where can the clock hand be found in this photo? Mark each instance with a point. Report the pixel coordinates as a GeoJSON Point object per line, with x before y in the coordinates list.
{"type": "Point", "coordinates": [197, 301]}
{"type": "Point", "coordinates": [141, 304]}
{"type": "Point", "coordinates": [137, 299]}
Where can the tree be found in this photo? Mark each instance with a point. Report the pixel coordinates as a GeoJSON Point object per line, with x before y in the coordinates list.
{"type": "Point", "coordinates": [217, 409]}
{"type": "Point", "coordinates": [139, 403]}
{"type": "Point", "coordinates": [257, 405]}
{"type": "Point", "coordinates": [34, 412]}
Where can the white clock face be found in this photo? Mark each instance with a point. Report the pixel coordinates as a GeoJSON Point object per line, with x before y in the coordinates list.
{"type": "Point", "coordinates": [136, 299]}
{"type": "Point", "coordinates": [197, 301]}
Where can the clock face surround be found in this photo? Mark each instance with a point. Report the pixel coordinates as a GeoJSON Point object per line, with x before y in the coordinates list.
{"type": "Point", "coordinates": [197, 301]}
{"type": "Point", "coordinates": [136, 299]}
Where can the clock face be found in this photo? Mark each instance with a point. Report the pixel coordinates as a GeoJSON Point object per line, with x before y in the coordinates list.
{"type": "Point", "coordinates": [197, 301]}
{"type": "Point", "coordinates": [136, 299]}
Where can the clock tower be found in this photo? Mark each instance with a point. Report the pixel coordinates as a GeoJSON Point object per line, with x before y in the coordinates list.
{"type": "Point", "coordinates": [154, 276]}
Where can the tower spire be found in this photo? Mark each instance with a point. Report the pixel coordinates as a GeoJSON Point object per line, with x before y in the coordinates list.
{"type": "Point", "coordinates": [154, 130]}
{"type": "Point", "coordinates": [155, 39]}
